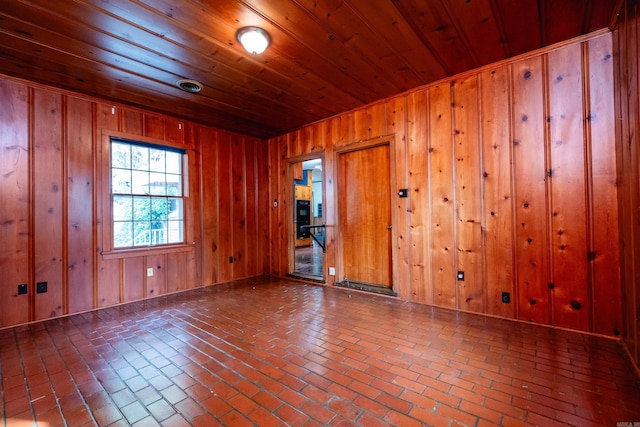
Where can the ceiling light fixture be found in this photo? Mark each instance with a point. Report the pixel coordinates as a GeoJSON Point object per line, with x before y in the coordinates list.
{"type": "Point", "coordinates": [254, 39]}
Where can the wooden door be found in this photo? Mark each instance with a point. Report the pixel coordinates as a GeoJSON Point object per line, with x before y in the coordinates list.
{"type": "Point", "coordinates": [364, 209]}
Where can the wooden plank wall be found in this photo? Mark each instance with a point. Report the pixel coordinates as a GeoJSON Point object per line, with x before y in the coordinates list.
{"type": "Point", "coordinates": [512, 180]}
{"type": "Point", "coordinates": [53, 189]}
{"type": "Point", "coordinates": [627, 102]}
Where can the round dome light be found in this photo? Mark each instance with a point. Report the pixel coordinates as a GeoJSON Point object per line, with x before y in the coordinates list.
{"type": "Point", "coordinates": [254, 39]}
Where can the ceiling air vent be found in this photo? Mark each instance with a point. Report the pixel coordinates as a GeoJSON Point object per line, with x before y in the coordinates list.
{"type": "Point", "coordinates": [190, 86]}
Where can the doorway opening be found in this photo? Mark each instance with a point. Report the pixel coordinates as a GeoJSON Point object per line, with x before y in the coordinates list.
{"type": "Point", "coordinates": [308, 217]}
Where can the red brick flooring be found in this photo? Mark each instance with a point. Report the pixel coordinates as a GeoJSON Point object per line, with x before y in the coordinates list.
{"type": "Point", "coordinates": [268, 352]}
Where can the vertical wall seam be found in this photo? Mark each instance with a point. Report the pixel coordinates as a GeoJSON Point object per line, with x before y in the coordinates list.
{"type": "Point", "coordinates": [31, 198]}
{"type": "Point", "coordinates": [546, 111]}
{"type": "Point", "coordinates": [483, 202]}
{"type": "Point", "coordinates": [588, 172]}
{"type": "Point", "coordinates": [515, 279]}
{"type": "Point", "coordinates": [428, 222]}
{"type": "Point", "coordinates": [454, 194]}
{"type": "Point", "coordinates": [65, 203]}
{"type": "Point", "coordinates": [95, 140]}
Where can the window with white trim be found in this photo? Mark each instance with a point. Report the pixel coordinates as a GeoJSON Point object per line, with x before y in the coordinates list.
{"type": "Point", "coordinates": [147, 196]}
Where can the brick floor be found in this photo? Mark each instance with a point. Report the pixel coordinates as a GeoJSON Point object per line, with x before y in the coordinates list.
{"type": "Point", "coordinates": [271, 352]}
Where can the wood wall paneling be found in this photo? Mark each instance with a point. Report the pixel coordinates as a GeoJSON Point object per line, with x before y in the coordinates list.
{"type": "Point", "coordinates": [209, 209]}
{"type": "Point", "coordinates": [604, 254]}
{"type": "Point", "coordinates": [250, 221]}
{"type": "Point", "coordinates": [421, 286]}
{"type": "Point", "coordinates": [238, 207]}
{"type": "Point", "coordinates": [397, 125]}
{"type": "Point", "coordinates": [630, 53]}
{"type": "Point", "coordinates": [331, 137]}
{"type": "Point", "coordinates": [156, 284]}
{"type": "Point", "coordinates": [79, 204]}
{"type": "Point", "coordinates": [176, 132]}
{"type": "Point", "coordinates": [497, 184]}
{"type": "Point", "coordinates": [108, 274]}
{"type": "Point", "coordinates": [468, 190]}
{"type": "Point", "coordinates": [281, 237]}
{"type": "Point", "coordinates": [224, 144]}
{"type": "Point", "coordinates": [505, 183]}
{"type": "Point", "coordinates": [194, 216]}
{"type": "Point", "coordinates": [154, 126]}
{"type": "Point", "coordinates": [47, 206]}
{"type": "Point", "coordinates": [627, 86]}
{"type": "Point", "coordinates": [568, 191]}
{"type": "Point", "coordinates": [131, 121]}
{"type": "Point", "coordinates": [177, 267]}
{"type": "Point", "coordinates": [56, 206]}
{"type": "Point", "coordinates": [15, 260]}
{"type": "Point", "coordinates": [531, 207]}
{"type": "Point", "coordinates": [443, 247]}
{"type": "Point", "coordinates": [265, 202]}
{"type": "Point", "coordinates": [133, 278]}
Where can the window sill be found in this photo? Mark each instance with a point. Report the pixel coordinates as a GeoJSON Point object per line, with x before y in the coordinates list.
{"type": "Point", "coordinates": [147, 250]}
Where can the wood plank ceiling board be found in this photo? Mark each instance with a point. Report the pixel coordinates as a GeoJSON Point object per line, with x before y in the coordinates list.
{"type": "Point", "coordinates": [325, 57]}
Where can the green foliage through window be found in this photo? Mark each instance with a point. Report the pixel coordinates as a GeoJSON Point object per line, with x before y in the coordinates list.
{"type": "Point", "coordinates": [147, 197]}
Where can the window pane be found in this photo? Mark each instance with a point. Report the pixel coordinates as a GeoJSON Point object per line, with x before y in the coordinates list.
{"type": "Point", "coordinates": [139, 158]}
{"type": "Point", "coordinates": [159, 208]}
{"type": "Point", "coordinates": [142, 234]}
{"type": "Point", "coordinates": [142, 208]}
{"type": "Point", "coordinates": [120, 181]}
{"type": "Point", "coordinates": [121, 155]}
{"type": "Point", "coordinates": [175, 232]}
{"type": "Point", "coordinates": [157, 185]}
{"type": "Point", "coordinates": [174, 163]}
{"type": "Point", "coordinates": [159, 233]}
{"type": "Point", "coordinates": [157, 160]}
{"type": "Point", "coordinates": [122, 208]}
{"type": "Point", "coordinates": [122, 234]}
{"type": "Point", "coordinates": [175, 209]}
{"type": "Point", "coordinates": [140, 182]}
{"type": "Point", "coordinates": [174, 185]}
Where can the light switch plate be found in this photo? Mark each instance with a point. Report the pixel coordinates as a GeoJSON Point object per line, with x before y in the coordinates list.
{"type": "Point", "coordinates": [149, 271]}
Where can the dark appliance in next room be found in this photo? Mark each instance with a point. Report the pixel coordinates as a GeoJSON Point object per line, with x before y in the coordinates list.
{"type": "Point", "coordinates": [303, 217]}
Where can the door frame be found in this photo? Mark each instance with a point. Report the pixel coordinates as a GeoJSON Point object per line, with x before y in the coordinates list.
{"type": "Point", "coordinates": [363, 145]}
{"type": "Point", "coordinates": [291, 231]}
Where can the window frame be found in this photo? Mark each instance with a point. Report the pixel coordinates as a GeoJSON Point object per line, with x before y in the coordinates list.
{"type": "Point", "coordinates": [109, 251]}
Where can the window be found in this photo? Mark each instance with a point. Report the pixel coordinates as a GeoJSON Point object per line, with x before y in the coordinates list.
{"type": "Point", "coordinates": [147, 194]}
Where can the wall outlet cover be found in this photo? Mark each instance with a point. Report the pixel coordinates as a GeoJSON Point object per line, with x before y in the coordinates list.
{"type": "Point", "coordinates": [41, 287]}
{"type": "Point", "coordinates": [149, 271]}
{"type": "Point", "coordinates": [332, 271]}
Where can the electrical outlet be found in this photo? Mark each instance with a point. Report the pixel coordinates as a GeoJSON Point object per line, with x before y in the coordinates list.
{"type": "Point", "coordinates": [22, 289]}
{"type": "Point", "coordinates": [149, 271]}
{"type": "Point", "coordinates": [41, 287]}
{"type": "Point", "coordinates": [332, 271]}
{"type": "Point", "coordinates": [461, 276]}
{"type": "Point", "coordinates": [506, 297]}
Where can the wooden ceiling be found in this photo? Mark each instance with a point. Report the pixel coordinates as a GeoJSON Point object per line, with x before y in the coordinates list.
{"type": "Point", "coordinates": [326, 56]}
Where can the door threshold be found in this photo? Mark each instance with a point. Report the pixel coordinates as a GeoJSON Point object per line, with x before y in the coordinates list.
{"type": "Point", "coordinates": [369, 287]}
{"type": "Point", "coordinates": [307, 277]}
